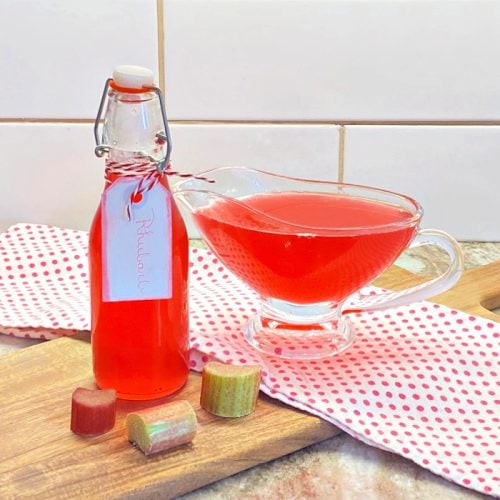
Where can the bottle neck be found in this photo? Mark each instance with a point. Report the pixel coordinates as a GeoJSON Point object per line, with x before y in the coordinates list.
{"type": "Point", "coordinates": [134, 167]}
{"type": "Point", "coordinates": [131, 125]}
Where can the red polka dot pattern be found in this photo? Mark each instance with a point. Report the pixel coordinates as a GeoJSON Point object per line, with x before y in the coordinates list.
{"type": "Point", "coordinates": [43, 281]}
{"type": "Point", "coordinates": [421, 380]}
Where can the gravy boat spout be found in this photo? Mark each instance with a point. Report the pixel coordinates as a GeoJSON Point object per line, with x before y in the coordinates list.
{"type": "Point", "coordinates": [196, 200]}
{"type": "Point", "coordinates": [231, 187]}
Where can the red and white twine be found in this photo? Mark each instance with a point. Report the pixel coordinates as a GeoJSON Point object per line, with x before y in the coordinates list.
{"type": "Point", "coordinates": [148, 176]}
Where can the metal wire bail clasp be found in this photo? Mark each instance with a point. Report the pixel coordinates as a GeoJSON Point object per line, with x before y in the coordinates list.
{"type": "Point", "coordinates": [101, 149]}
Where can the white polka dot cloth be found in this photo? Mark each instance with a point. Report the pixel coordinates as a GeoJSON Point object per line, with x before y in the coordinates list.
{"type": "Point", "coordinates": [420, 380]}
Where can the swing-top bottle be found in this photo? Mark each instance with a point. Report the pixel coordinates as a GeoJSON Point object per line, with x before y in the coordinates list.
{"type": "Point", "coordinates": [138, 247]}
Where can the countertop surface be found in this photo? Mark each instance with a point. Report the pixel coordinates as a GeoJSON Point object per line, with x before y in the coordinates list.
{"type": "Point", "coordinates": [341, 467]}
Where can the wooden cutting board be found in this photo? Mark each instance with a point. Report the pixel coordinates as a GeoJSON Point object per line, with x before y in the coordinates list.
{"type": "Point", "coordinates": [41, 458]}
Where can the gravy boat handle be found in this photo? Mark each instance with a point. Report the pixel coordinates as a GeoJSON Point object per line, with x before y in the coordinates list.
{"type": "Point", "coordinates": [422, 291]}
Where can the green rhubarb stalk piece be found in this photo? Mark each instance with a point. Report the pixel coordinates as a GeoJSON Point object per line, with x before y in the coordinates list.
{"type": "Point", "coordinates": [229, 390]}
{"type": "Point", "coordinates": [162, 427]}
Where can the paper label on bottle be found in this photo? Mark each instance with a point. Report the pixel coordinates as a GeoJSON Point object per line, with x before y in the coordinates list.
{"type": "Point", "coordinates": [136, 252]}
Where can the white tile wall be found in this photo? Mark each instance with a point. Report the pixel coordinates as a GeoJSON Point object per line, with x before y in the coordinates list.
{"type": "Point", "coordinates": [294, 150]}
{"type": "Point", "coordinates": [49, 174]}
{"type": "Point", "coordinates": [269, 68]}
{"type": "Point", "coordinates": [333, 60]}
{"type": "Point", "coordinates": [452, 171]}
{"type": "Point", "coordinates": [57, 54]}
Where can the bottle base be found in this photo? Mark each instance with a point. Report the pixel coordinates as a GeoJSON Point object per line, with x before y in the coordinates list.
{"type": "Point", "coordinates": [148, 396]}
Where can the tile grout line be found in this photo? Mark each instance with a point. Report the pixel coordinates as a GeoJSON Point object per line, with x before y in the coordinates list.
{"type": "Point", "coordinates": [48, 121]}
{"type": "Point", "coordinates": [341, 156]}
{"type": "Point", "coordinates": [161, 44]}
{"type": "Point", "coordinates": [272, 122]}
{"type": "Point", "coordinates": [339, 122]}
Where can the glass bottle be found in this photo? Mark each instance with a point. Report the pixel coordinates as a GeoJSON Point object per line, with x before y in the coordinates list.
{"type": "Point", "coordinates": [138, 248]}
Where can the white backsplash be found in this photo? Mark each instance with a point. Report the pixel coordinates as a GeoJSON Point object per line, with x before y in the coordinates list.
{"type": "Point", "coordinates": [57, 54]}
{"type": "Point", "coordinates": [403, 94]}
{"type": "Point", "coordinates": [49, 174]}
{"type": "Point", "coordinates": [333, 60]}
{"type": "Point", "coordinates": [294, 150]}
{"type": "Point", "coordinates": [452, 171]}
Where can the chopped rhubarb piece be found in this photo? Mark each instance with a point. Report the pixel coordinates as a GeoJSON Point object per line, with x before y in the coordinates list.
{"type": "Point", "coordinates": [229, 390]}
{"type": "Point", "coordinates": [162, 427]}
{"type": "Point", "coordinates": [93, 411]}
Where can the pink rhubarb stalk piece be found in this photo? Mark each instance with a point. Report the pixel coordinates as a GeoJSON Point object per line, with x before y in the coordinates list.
{"type": "Point", "coordinates": [162, 427]}
{"type": "Point", "coordinates": [93, 411]}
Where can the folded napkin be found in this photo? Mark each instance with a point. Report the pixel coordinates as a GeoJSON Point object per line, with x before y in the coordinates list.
{"type": "Point", "coordinates": [420, 380]}
{"type": "Point", "coordinates": [43, 281]}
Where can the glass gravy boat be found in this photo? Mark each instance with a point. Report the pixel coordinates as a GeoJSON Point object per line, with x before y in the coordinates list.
{"type": "Point", "coordinates": [308, 248]}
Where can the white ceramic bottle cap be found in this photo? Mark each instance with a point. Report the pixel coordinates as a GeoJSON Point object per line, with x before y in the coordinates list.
{"type": "Point", "coordinates": [133, 77]}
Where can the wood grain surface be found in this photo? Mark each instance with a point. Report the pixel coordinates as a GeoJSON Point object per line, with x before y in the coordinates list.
{"type": "Point", "coordinates": [40, 458]}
